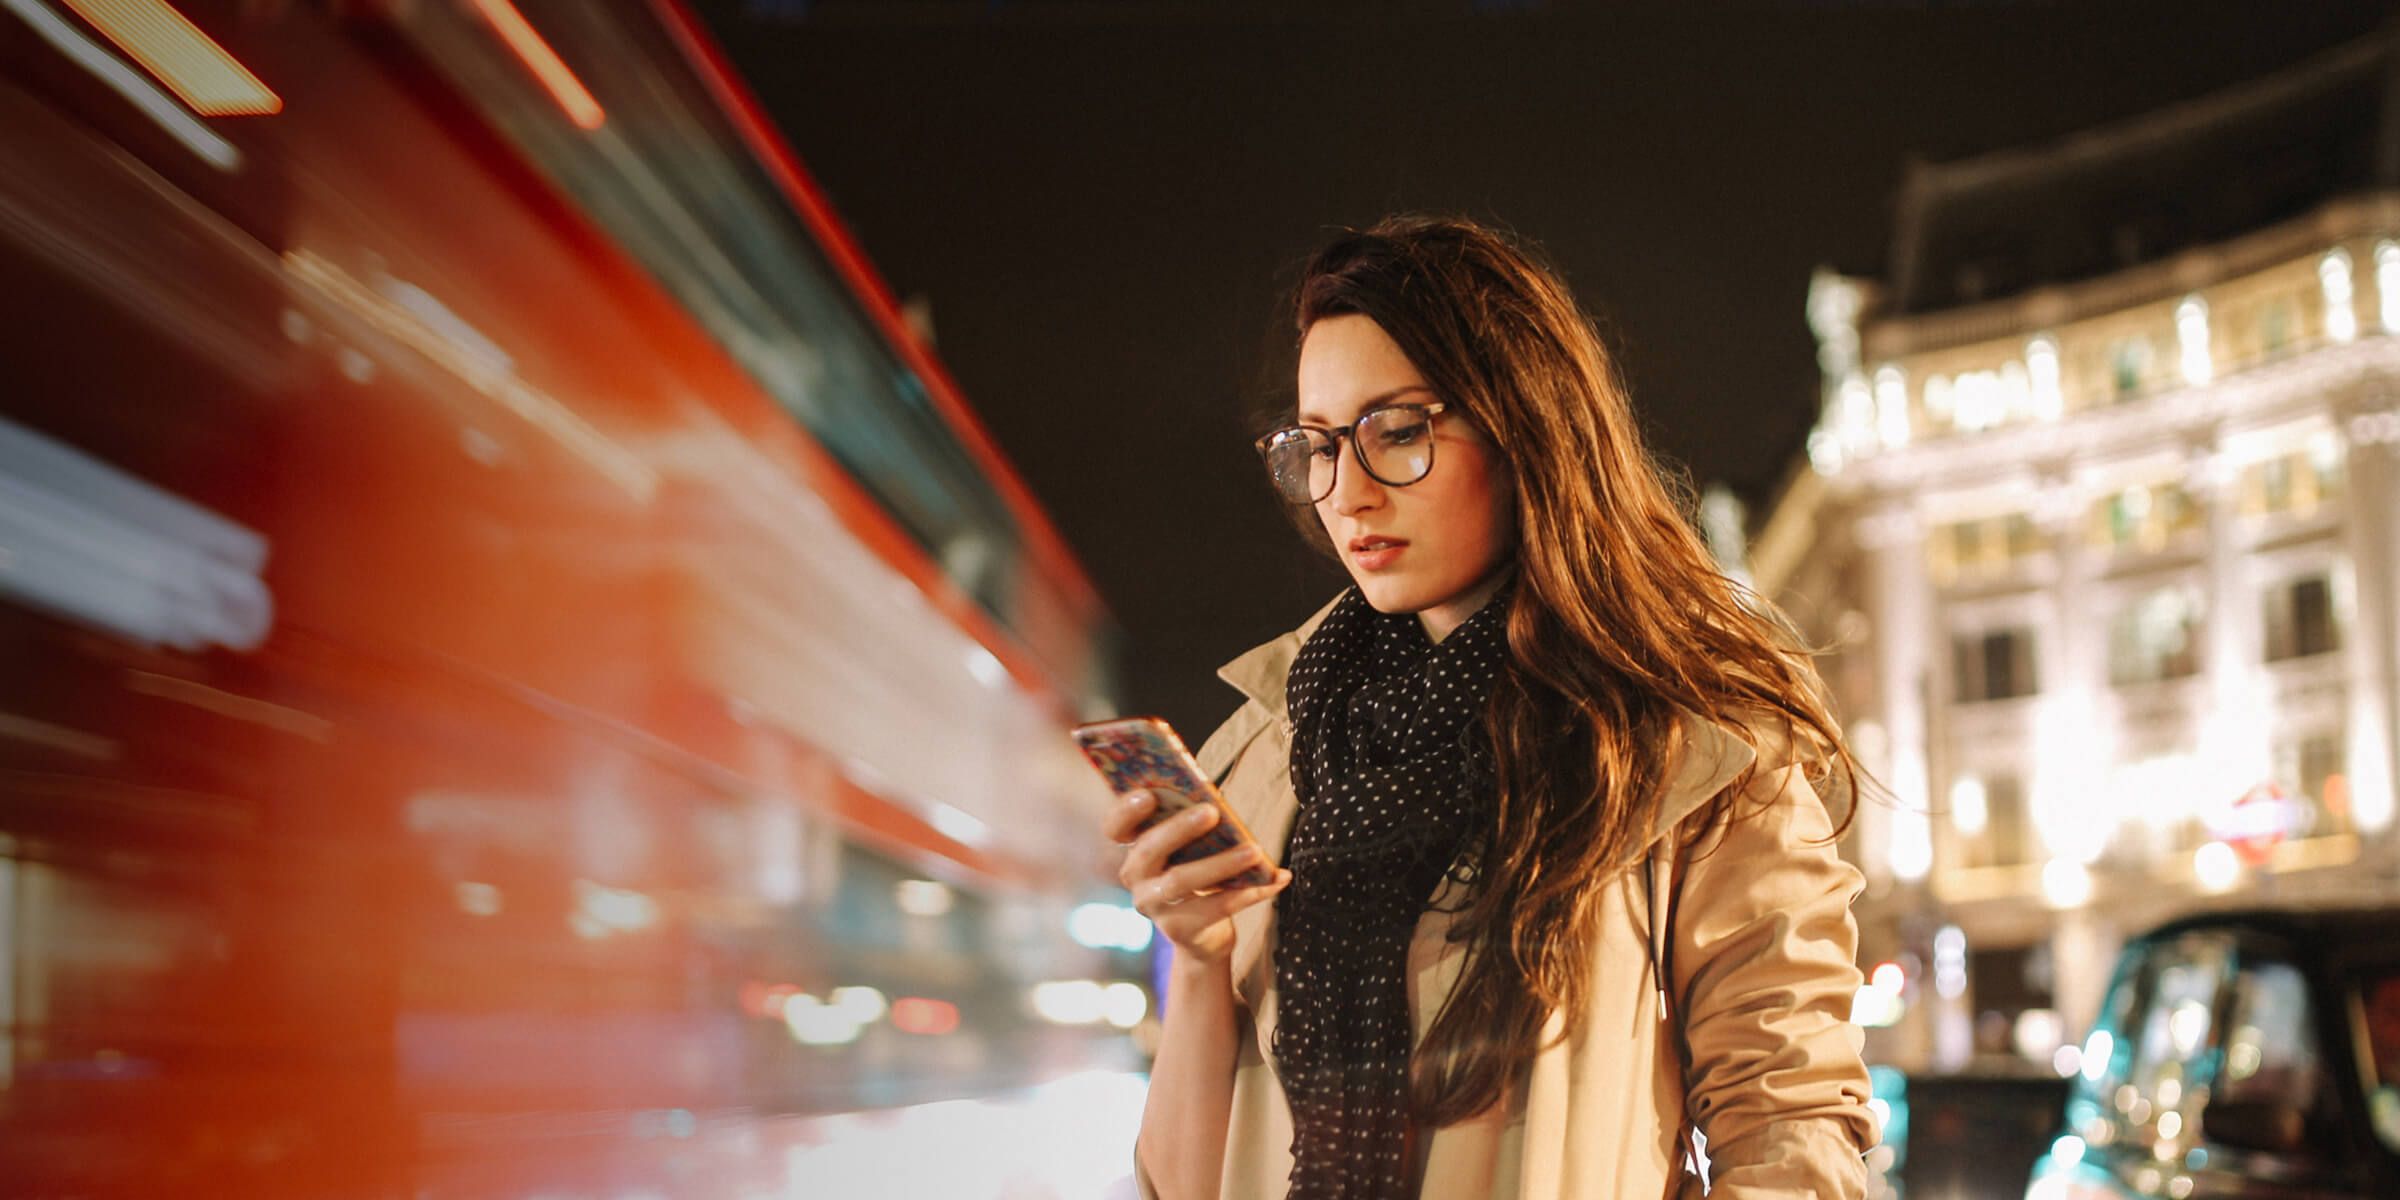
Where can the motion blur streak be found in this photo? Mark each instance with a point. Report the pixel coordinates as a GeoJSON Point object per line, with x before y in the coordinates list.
{"type": "Point", "coordinates": [1063, 1140]}
{"type": "Point", "coordinates": [543, 61]}
{"type": "Point", "coordinates": [144, 96]}
{"type": "Point", "coordinates": [183, 58]}
{"type": "Point", "coordinates": [472, 361]}
{"type": "Point", "coordinates": [82, 539]}
{"type": "Point", "coordinates": [226, 704]}
{"type": "Point", "coordinates": [512, 688]}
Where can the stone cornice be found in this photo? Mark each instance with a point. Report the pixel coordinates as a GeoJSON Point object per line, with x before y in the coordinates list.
{"type": "Point", "coordinates": [2299, 384]}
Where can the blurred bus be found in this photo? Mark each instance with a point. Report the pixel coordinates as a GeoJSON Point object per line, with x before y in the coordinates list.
{"type": "Point", "coordinates": [518, 674]}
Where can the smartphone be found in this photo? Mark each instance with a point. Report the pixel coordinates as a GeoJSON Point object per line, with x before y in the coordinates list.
{"type": "Point", "coordinates": [1134, 753]}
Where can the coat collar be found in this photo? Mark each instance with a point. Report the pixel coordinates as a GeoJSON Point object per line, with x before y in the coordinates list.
{"type": "Point", "coordinates": [1261, 670]}
{"type": "Point", "coordinates": [1708, 758]}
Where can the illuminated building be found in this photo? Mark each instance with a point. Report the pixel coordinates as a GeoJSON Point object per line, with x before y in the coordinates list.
{"type": "Point", "coordinates": [2101, 523]}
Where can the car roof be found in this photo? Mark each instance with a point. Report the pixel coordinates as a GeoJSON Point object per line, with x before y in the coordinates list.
{"type": "Point", "coordinates": [2331, 930]}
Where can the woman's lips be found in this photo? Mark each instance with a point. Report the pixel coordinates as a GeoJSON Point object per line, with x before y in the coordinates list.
{"type": "Point", "coordinates": [1375, 554]}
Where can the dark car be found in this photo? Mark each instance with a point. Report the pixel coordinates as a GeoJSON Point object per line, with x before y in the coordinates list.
{"type": "Point", "coordinates": [2240, 1054]}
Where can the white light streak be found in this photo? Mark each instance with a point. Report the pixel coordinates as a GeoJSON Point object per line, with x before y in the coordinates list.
{"type": "Point", "coordinates": [129, 83]}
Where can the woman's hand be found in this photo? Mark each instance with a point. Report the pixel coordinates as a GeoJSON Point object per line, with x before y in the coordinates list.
{"type": "Point", "coordinates": [1171, 895]}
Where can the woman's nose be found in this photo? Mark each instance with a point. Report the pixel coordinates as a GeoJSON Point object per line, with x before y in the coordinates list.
{"type": "Point", "coordinates": [1353, 489]}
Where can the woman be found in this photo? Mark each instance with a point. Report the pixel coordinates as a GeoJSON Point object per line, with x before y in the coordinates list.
{"type": "Point", "coordinates": [1558, 886]}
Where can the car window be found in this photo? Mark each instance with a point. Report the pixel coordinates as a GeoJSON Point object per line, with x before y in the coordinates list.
{"type": "Point", "coordinates": [2150, 1066]}
{"type": "Point", "coordinates": [2379, 1022]}
{"type": "Point", "coordinates": [2271, 1045]}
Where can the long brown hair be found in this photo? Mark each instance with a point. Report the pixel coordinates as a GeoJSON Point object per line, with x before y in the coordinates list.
{"type": "Point", "coordinates": [1618, 623]}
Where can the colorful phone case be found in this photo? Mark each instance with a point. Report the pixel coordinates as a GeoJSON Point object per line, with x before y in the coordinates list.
{"type": "Point", "coordinates": [1143, 752]}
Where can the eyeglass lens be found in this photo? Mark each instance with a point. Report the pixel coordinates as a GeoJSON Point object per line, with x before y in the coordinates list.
{"type": "Point", "coordinates": [1394, 444]}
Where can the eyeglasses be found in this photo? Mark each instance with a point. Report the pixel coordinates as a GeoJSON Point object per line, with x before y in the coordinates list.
{"type": "Point", "coordinates": [1393, 443]}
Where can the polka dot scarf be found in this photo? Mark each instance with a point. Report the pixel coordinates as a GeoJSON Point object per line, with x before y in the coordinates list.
{"type": "Point", "coordinates": [1384, 723]}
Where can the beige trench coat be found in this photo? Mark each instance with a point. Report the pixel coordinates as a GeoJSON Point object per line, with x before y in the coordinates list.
{"type": "Point", "coordinates": [1762, 952]}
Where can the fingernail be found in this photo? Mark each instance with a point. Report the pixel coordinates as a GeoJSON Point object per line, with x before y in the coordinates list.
{"type": "Point", "coordinates": [1137, 799]}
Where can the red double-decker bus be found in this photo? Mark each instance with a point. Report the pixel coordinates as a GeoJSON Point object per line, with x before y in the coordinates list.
{"type": "Point", "coordinates": [519, 676]}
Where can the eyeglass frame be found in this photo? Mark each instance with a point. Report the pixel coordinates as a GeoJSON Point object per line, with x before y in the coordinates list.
{"type": "Point", "coordinates": [1348, 433]}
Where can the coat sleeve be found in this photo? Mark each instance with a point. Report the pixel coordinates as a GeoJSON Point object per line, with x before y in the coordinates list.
{"type": "Point", "coordinates": [1764, 967]}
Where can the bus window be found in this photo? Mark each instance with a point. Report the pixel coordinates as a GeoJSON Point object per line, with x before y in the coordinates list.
{"type": "Point", "coordinates": [676, 187]}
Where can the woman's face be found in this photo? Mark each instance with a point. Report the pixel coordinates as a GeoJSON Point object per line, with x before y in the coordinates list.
{"type": "Point", "coordinates": [1435, 547]}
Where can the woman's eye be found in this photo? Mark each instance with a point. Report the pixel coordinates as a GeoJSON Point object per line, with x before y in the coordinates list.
{"type": "Point", "coordinates": [1403, 435]}
{"type": "Point", "coordinates": [1326, 449]}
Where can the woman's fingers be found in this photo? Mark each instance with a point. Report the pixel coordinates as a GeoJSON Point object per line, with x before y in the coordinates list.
{"type": "Point", "coordinates": [1189, 902]}
{"type": "Point", "coordinates": [1123, 820]}
{"type": "Point", "coordinates": [1148, 856]}
{"type": "Point", "coordinates": [1179, 922]}
{"type": "Point", "coordinates": [1178, 884]}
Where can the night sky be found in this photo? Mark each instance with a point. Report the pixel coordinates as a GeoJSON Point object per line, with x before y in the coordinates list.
{"type": "Point", "coordinates": [1106, 203]}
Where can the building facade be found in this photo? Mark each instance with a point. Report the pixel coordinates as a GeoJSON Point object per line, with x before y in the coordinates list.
{"type": "Point", "coordinates": [2100, 527]}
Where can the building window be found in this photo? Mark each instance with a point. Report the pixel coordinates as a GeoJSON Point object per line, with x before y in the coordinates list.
{"type": "Point", "coordinates": [1854, 415]}
{"type": "Point", "coordinates": [1994, 665]}
{"type": "Point", "coordinates": [2128, 363]}
{"type": "Point", "coordinates": [2275, 327]}
{"type": "Point", "coordinates": [1979, 400]}
{"type": "Point", "coordinates": [2295, 484]}
{"type": "Point", "coordinates": [2004, 982]}
{"type": "Point", "coordinates": [1984, 547]}
{"type": "Point", "coordinates": [2006, 843]}
{"type": "Point", "coordinates": [1987, 821]}
{"type": "Point", "coordinates": [2313, 767]}
{"type": "Point", "coordinates": [2157, 792]}
{"type": "Point", "coordinates": [2144, 517]}
{"type": "Point", "coordinates": [2192, 340]}
{"type": "Point", "coordinates": [2156, 637]}
{"type": "Point", "coordinates": [2300, 620]}
{"type": "Point", "coordinates": [1891, 406]}
{"type": "Point", "coordinates": [2042, 372]}
{"type": "Point", "coordinates": [2341, 295]}
{"type": "Point", "coordinates": [2387, 285]}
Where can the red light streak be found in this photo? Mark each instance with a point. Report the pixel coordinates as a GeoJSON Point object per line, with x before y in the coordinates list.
{"type": "Point", "coordinates": [543, 61]}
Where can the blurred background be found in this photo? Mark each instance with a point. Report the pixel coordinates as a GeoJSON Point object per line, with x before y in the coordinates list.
{"type": "Point", "coordinates": [547, 549]}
